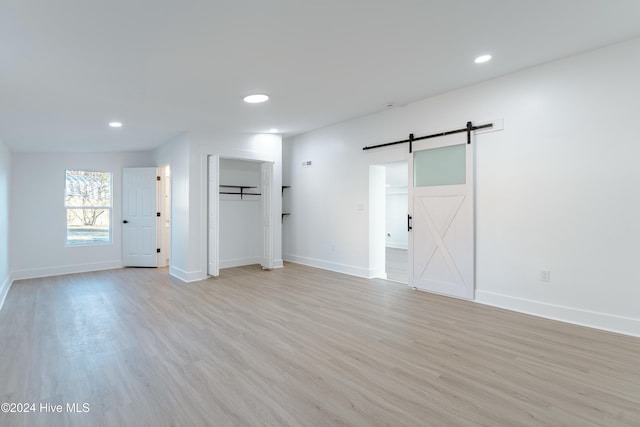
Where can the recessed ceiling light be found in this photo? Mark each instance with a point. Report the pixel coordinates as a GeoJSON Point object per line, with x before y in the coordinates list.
{"type": "Point", "coordinates": [115, 124]}
{"type": "Point", "coordinates": [482, 59]}
{"type": "Point", "coordinates": [256, 99]}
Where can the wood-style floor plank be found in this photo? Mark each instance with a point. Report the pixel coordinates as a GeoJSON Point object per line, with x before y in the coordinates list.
{"type": "Point", "coordinates": [299, 347]}
{"type": "Point", "coordinates": [397, 264]}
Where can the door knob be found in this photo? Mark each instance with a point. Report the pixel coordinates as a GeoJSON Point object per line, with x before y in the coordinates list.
{"type": "Point", "coordinates": [125, 222]}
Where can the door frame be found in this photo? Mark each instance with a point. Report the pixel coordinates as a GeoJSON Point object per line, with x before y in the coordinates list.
{"type": "Point", "coordinates": [212, 264]}
{"type": "Point", "coordinates": [204, 226]}
{"type": "Point", "coordinates": [378, 198]}
{"type": "Point", "coordinates": [267, 214]}
{"type": "Point", "coordinates": [164, 195]}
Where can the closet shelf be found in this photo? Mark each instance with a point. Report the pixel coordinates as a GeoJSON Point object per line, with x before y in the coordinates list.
{"type": "Point", "coordinates": [241, 193]}
{"type": "Point", "coordinates": [284, 213]}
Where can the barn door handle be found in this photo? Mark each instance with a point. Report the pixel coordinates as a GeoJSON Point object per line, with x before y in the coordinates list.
{"type": "Point", "coordinates": [125, 222]}
{"type": "Point", "coordinates": [409, 225]}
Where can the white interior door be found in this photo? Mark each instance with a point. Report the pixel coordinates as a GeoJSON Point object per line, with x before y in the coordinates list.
{"type": "Point", "coordinates": [441, 206]}
{"type": "Point", "coordinates": [139, 217]}
{"type": "Point", "coordinates": [213, 268]}
{"type": "Point", "coordinates": [267, 215]}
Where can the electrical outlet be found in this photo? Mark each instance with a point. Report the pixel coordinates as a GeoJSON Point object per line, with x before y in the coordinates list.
{"type": "Point", "coordinates": [545, 275]}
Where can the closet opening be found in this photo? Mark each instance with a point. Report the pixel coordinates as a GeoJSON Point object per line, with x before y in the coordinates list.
{"type": "Point", "coordinates": [240, 214]}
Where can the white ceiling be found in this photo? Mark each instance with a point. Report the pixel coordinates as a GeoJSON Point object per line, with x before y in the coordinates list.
{"type": "Point", "coordinates": [162, 67]}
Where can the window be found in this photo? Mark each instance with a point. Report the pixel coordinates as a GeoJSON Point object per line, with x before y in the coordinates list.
{"type": "Point", "coordinates": [88, 204]}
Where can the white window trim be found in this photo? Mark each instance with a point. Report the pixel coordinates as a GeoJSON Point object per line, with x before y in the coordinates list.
{"type": "Point", "coordinates": [108, 208]}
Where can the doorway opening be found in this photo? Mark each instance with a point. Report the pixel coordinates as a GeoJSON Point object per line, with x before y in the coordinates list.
{"type": "Point", "coordinates": [164, 224]}
{"type": "Point", "coordinates": [146, 216]}
{"type": "Point", "coordinates": [388, 235]}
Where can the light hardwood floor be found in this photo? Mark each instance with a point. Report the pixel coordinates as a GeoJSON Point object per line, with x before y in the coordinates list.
{"type": "Point", "coordinates": [397, 265]}
{"type": "Point", "coordinates": [299, 347]}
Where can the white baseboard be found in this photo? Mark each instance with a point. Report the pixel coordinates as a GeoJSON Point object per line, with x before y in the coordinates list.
{"type": "Point", "coordinates": [396, 245]}
{"type": "Point", "coordinates": [239, 262]}
{"type": "Point", "coordinates": [351, 270]}
{"type": "Point", "coordinates": [4, 289]}
{"type": "Point", "coordinates": [186, 276]}
{"type": "Point", "coordinates": [195, 276]}
{"type": "Point", "coordinates": [592, 319]}
{"type": "Point", "coordinates": [65, 269]}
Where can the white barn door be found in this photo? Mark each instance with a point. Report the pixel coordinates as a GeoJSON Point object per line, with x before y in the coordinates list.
{"type": "Point", "coordinates": [441, 209]}
{"type": "Point", "coordinates": [139, 217]}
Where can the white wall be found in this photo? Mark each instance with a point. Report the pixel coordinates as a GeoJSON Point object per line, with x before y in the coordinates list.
{"type": "Point", "coordinates": [5, 272]}
{"type": "Point", "coordinates": [187, 157]}
{"type": "Point", "coordinates": [240, 218]}
{"type": "Point", "coordinates": [329, 222]}
{"type": "Point", "coordinates": [557, 189]}
{"type": "Point", "coordinates": [38, 219]}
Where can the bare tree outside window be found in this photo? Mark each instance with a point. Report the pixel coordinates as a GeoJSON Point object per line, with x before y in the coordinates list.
{"type": "Point", "coordinates": [88, 204]}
